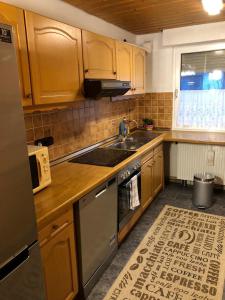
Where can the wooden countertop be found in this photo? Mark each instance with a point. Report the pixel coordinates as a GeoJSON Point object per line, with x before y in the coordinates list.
{"type": "Point", "coordinates": [72, 181]}
{"type": "Point", "coordinates": [215, 138]}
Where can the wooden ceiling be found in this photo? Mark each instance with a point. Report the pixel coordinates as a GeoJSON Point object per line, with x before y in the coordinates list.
{"type": "Point", "coordinates": [148, 16]}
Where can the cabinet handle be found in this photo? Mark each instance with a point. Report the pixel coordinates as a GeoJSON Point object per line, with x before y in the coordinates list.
{"type": "Point", "coordinates": [100, 193]}
{"type": "Point", "coordinates": [134, 89]}
{"type": "Point", "coordinates": [86, 71]}
{"type": "Point", "coordinates": [28, 96]}
{"type": "Point", "coordinates": [114, 72]}
{"type": "Point", "coordinates": [58, 228]}
{"type": "Point", "coordinates": [43, 242]}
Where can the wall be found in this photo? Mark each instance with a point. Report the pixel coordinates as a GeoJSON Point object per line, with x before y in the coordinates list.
{"type": "Point", "coordinates": [92, 121]}
{"type": "Point", "coordinates": [160, 64]}
{"type": "Point", "coordinates": [194, 34]}
{"type": "Point", "coordinates": [157, 106]}
{"type": "Point", "coordinates": [82, 125]}
{"type": "Point", "coordinates": [64, 12]}
{"type": "Point", "coordinates": [163, 44]}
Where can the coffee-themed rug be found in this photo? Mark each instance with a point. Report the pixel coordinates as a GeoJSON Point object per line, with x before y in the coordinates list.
{"type": "Point", "coordinates": [182, 257]}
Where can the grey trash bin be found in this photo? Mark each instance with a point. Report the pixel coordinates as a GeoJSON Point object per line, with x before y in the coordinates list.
{"type": "Point", "coordinates": [203, 190]}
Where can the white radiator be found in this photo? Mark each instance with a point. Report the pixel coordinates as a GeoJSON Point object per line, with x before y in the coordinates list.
{"type": "Point", "coordinates": [192, 158]}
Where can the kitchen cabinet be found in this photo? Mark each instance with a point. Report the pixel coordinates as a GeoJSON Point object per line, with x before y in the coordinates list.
{"type": "Point", "coordinates": [55, 60]}
{"type": "Point", "coordinates": [147, 181]}
{"type": "Point", "coordinates": [15, 17]}
{"type": "Point", "coordinates": [99, 53]}
{"type": "Point", "coordinates": [59, 259]}
{"type": "Point", "coordinates": [138, 81]}
{"type": "Point", "coordinates": [131, 66]}
{"type": "Point", "coordinates": [124, 60]}
{"type": "Point", "coordinates": [151, 175]}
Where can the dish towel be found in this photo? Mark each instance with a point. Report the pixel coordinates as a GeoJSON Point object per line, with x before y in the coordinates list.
{"type": "Point", "coordinates": [134, 197]}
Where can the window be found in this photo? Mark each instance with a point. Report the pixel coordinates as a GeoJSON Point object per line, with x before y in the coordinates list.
{"type": "Point", "coordinates": [200, 102]}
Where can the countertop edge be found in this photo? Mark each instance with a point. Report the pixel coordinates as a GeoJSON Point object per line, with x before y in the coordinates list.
{"type": "Point", "coordinates": [168, 136]}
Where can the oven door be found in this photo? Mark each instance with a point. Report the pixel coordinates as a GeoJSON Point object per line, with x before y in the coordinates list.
{"type": "Point", "coordinates": [124, 211]}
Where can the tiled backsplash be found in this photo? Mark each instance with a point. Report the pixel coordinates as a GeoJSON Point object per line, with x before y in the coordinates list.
{"type": "Point", "coordinates": [77, 127]}
{"type": "Point", "coordinates": [157, 106]}
{"type": "Point", "coordinates": [91, 121]}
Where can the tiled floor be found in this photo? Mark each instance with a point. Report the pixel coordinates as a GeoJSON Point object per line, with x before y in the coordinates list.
{"type": "Point", "coordinates": [174, 194]}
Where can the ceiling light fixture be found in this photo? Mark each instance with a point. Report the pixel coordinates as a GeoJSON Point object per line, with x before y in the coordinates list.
{"type": "Point", "coordinates": [212, 7]}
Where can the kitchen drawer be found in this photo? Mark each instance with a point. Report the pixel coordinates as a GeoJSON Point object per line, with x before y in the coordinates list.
{"type": "Point", "coordinates": [158, 148]}
{"type": "Point", "coordinates": [55, 227]}
{"type": "Point", "coordinates": [146, 157]}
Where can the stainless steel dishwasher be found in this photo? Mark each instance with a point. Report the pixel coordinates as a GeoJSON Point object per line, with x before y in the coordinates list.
{"type": "Point", "coordinates": [96, 227]}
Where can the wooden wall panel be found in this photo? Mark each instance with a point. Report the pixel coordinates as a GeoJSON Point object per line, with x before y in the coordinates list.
{"type": "Point", "coordinates": [148, 16]}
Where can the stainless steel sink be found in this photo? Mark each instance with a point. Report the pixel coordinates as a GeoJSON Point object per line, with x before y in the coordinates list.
{"type": "Point", "coordinates": [145, 135]}
{"type": "Point", "coordinates": [127, 145]}
{"type": "Point", "coordinates": [136, 140]}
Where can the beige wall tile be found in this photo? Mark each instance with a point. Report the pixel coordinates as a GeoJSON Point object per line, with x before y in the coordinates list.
{"type": "Point", "coordinates": [91, 121]}
{"type": "Point", "coordinates": [86, 123]}
{"type": "Point", "coordinates": [28, 121]}
{"type": "Point", "coordinates": [37, 120]}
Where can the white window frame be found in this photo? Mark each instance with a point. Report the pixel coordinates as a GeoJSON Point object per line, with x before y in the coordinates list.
{"type": "Point", "coordinates": [178, 51]}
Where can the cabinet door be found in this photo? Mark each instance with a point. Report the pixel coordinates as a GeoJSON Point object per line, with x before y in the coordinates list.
{"type": "Point", "coordinates": [138, 71]}
{"type": "Point", "coordinates": [55, 60]}
{"type": "Point", "coordinates": [124, 63]}
{"type": "Point", "coordinates": [99, 56]}
{"type": "Point", "coordinates": [158, 172]}
{"type": "Point", "coordinates": [60, 266]}
{"type": "Point", "coordinates": [15, 17]}
{"type": "Point", "coordinates": [147, 183]}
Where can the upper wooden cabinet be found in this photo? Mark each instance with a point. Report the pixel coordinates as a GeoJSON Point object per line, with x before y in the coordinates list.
{"type": "Point", "coordinates": [55, 60]}
{"type": "Point", "coordinates": [50, 63]}
{"type": "Point", "coordinates": [124, 62]}
{"type": "Point", "coordinates": [131, 66]}
{"type": "Point", "coordinates": [15, 17]}
{"type": "Point", "coordinates": [99, 55]}
{"type": "Point", "coordinates": [138, 70]}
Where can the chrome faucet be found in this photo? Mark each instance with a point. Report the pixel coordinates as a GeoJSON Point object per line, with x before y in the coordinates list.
{"type": "Point", "coordinates": [124, 128]}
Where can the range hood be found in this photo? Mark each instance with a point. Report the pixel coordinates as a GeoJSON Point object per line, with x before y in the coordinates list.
{"type": "Point", "coordinates": [97, 88]}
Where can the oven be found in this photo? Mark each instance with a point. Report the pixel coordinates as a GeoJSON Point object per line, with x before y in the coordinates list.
{"type": "Point", "coordinates": [124, 190]}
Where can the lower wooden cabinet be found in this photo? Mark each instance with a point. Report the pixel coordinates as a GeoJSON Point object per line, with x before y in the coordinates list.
{"type": "Point", "coordinates": [59, 259]}
{"type": "Point", "coordinates": [151, 175]}
{"type": "Point", "coordinates": [158, 174]}
{"type": "Point", "coordinates": [147, 182]}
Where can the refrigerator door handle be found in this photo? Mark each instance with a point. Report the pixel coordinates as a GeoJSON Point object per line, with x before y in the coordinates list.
{"type": "Point", "coordinates": [14, 263]}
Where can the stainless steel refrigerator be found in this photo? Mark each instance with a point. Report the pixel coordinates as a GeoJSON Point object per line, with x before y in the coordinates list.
{"type": "Point", "coordinates": [20, 263]}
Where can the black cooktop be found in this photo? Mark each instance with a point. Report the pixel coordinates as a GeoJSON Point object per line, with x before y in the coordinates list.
{"type": "Point", "coordinates": [103, 157]}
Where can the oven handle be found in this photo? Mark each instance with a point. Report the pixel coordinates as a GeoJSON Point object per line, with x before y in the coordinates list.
{"type": "Point", "coordinates": [128, 183]}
